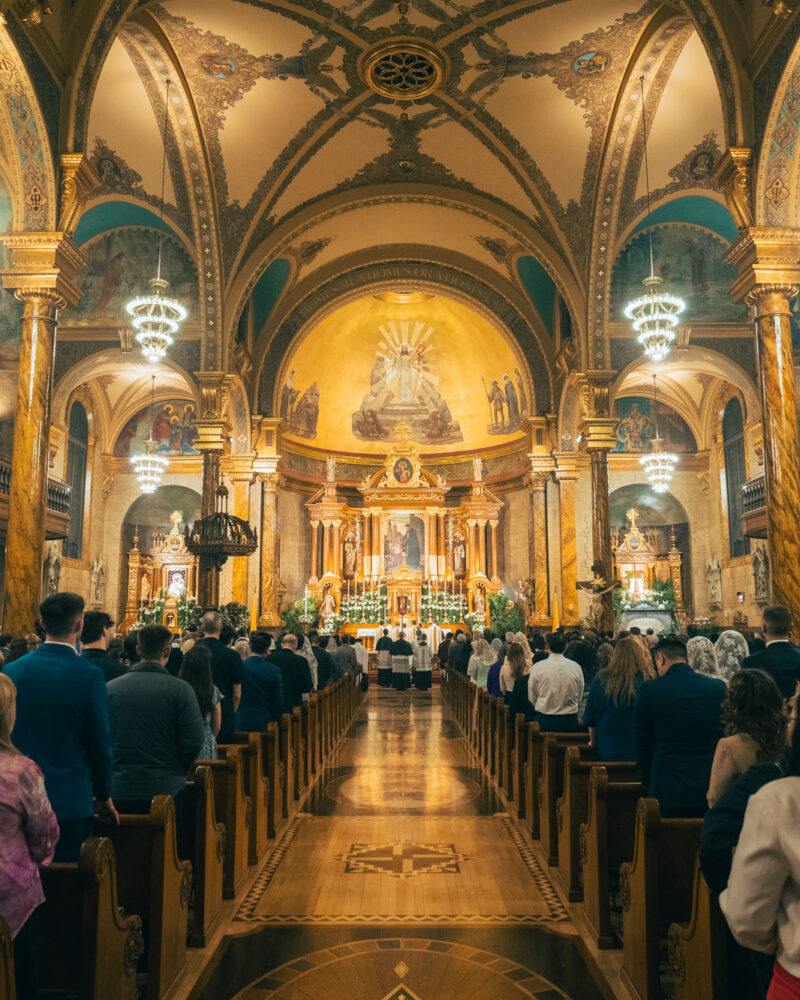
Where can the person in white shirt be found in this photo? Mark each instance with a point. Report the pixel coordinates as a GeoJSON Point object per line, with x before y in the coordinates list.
{"type": "Point", "coordinates": [361, 654]}
{"type": "Point", "coordinates": [762, 900]}
{"type": "Point", "coordinates": [555, 689]}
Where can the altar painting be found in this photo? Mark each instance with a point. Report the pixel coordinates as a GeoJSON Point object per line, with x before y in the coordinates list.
{"type": "Point", "coordinates": [403, 542]}
{"type": "Point", "coordinates": [637, 427]}
{"type": "Point", "coordinates": [172, 425]}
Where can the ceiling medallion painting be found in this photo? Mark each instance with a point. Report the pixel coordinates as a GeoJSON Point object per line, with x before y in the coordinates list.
{"type": "Point", "coordinates": [403, 69]}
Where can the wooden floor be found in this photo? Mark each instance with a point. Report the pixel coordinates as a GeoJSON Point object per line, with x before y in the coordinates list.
{"type": "Point", "coordinates": [401, 877]}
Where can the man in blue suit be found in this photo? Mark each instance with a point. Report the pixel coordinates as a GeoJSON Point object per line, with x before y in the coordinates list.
{"type": "Point", "coordinates": [676, 727]}
{"type": "Point", "coordinates": [781, 658]}
{"type": "Point", "coordinates": [62, 722]}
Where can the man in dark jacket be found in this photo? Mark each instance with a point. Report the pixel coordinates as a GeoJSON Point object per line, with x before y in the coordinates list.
{"type": "Point", "coordinates": [156, 728]}
{"type": "Point", "coordinates": [781, 658]}
{"type": "Point", "coordinates": [327, 670]}
{"type": "Point", "coordinates": [227, 671]}
{"type": "Point", "coordinates": [676, 727]}
{"type": "Point", "coordinates": [262, 688]}
{"type": "Point", "coordinates": [444, 649]}
{"type": "Point", "coordinates": [345, 656]}
{"type": "Point", "coordinates": [98, 629]}
{"type": "Point", "coordinates": [62, 722]}
{"type": "Point", "coordinates": [295, 672]}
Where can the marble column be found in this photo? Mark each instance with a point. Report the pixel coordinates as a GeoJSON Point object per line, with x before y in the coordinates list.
{"type": "Point", "coordinates": [314, 550]}
{"type": "Point", "coordinates": [27, 501]}
{"type": "Point", "coordinates": [442, 547]}
{"type": "Point", "coordinates": [241, 508]}
{"type": "Point", "coordinates": [495, 576]}
{"type": "Point", "coordinates": [601, 529]}
{"type": "Point", "coordinates": [271, 483]}
{"type": "Point", "coordinates": [207, 573]}
{"type": "Point", "coordinates": [539, 481]}
{"type": "Point", "coordinates": [569, 546]}
{"type": "Point", "coordinates": [781, 450]}
{"type": "Point", "coordinates": [326, 546]}
{"type": "Point", "coordinates": [482, 548]}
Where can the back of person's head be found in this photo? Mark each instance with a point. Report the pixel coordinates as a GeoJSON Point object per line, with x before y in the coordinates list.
{"type": "Point", "coordinates": [61, 615]}
{"type": "Point", "coordinates": [635, 630]}
{"type": "Point", "coordinates": [516, 660]}
{"type": "Point", "coordinates": [777, 621]}
{"type": "Point", "coordinates": [211, 623]}
{"type": "Point", "coordinates": [116, 648]}
{"type": "Point", "coordinates": [402, 635]}
{"type": "Point", "coordinates": [583, 653]}
{"type": "Point", "coordinates": [669, 649]}
{"type": "Point", "coordinates": [538, 641]}
{"type": "Point", "coordinates": [754, 706]}
{"type": "Point", "coordinates": [8, 713]}
{"type": "Point", "coordinates": [243, 648]}
{"type": "Point", "coordinates": [386, 631]}
{"type": "Point", "coordinates": [130, 648]}
{"type": "Point", "coordinates": [33, 641]}
{"type": "Point", "coordinates": [556, 642]}
{"type": "Point", "coordinates": [604, 653]}
{"type": "Point", "coordinates": [16, 649]}
{"type": "Point", "coordinates": [196, 670]}
{"type": "Point", "coordinates": [289, 641]}
{"type": "Point", "coordinates": [619, 679]}
{"type": "Point", "coordinates": [154, 642]}
{"type": "Point", "coordinates": [261, 641]}
{"type": "Point", "coordinates": [650, 632]}
{"type": "Point", "coordinates": [226, 635]}
{"type": "Point", "coordinates": [313, 638]}
{"type": "Point", "coordinates": [5, 639]}
{"type": "Point", "coordinates": [94, 625]}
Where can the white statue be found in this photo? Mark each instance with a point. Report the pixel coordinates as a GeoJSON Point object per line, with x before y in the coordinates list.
{"type": "Point", "coordinates": [328, 609]}
{"type": "Point", "coordinates": [477, 469]}
{"type": "Point", "coordinates": [761, 575]}
{"type": "Point", "coordinates": [177, 586]}
{"type": "Point", "coordinates": [478, 603]}
{"type": "Point", "coordinates": [330, 464]}
{"type": "Point", "coordinates": [714, 583]}
{"type": "Point", "coordinates": [51, 572]}
{"type": "Point", "coordinates": [97, 583]}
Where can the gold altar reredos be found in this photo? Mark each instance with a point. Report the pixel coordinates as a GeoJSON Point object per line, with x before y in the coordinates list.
{"type": "Point", "coordinates": [439, 366]}
{"type": "Point", "coordinates": [406, 533]}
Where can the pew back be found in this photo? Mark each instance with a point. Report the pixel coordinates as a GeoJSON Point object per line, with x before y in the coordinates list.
{"type": "Point", "coordinates": [8, 989]}
{"type": "Point", "coordinates": [208, 855]}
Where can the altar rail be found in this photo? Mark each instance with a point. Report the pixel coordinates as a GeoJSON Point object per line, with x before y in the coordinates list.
{"type": "Point", "coordinates": [59, 501]}
{"type": "Point", "coordinates": [754, 507]}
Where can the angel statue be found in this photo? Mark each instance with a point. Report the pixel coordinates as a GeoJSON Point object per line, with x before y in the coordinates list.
{"type": "Point", "coordinates": [597, 588]}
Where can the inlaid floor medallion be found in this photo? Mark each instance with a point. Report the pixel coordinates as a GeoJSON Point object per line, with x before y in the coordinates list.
{"type": "Point", "coordinates": [402, 859]}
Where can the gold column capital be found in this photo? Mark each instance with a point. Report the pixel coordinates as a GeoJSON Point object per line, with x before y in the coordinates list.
{"type": "Point", "coordinates": [215, 388]}
{"type": "Point", "coordinates": [567, 468]}
{"type": "Point", "coordinates": [600, 434]}
{"type": "Point", "coordinates": [733, 176]}
{"type": "Point", "coordinates": [273, 482]}
{"type": "Point", "coordinates": [239, 467]}
{"type": "Point", "coordinates": [43, 265]}
{"type": "Point", "coordinates": [538, 481]}
{"type": "Point", "coordinates": [212, 436]}
{"type": "Point", "coordinates": [78, 180]}
{"type": "Point", "coordinates": [765, 257]}
{"type": "Point", "coordinates": [769, 300]}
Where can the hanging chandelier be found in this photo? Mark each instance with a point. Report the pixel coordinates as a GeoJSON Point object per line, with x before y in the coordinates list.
{"type": "Point", "coordinates": [149, 466]}
{"type": "Point", "coordinates": [658, 465]}
{"type": "Point", "coordinates": [157, 317]}
{"type": "Point", "coordinates": [655, 314]}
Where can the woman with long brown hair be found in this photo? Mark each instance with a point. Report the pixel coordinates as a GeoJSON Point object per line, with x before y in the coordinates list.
{"type": "Point", "coordinates": [609, 709]}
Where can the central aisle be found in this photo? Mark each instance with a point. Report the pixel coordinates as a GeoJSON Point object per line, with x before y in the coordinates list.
{"type": "Point", "coordinates": [402, 877]}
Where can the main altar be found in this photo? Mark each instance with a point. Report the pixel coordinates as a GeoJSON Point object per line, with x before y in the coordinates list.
{"type": "Point", "coordinates": [407, 551]}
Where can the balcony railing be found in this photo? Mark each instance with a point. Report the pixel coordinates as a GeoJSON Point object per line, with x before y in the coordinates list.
{"type": "Point", "coordinates": [754, 508]}
{"type": "Point", "coordinates": [58, 501]}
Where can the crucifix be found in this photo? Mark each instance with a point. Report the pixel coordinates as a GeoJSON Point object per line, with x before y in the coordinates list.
{"type": "Point", "coordinates": [597, 588]}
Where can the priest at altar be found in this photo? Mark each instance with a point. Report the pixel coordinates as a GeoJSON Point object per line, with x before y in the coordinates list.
{"type": "Point", "coordinates": [383, 647]}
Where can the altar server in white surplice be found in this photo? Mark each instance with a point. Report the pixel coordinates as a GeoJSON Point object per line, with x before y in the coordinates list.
{"type": "Point", "coordinates": [402, 655]}
{"type": "Point", "coordinates": [422, 662]}
{"type": "Point", "coordinates": [383, 647]}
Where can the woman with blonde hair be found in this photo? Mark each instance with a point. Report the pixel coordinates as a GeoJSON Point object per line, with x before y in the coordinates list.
{"type": "Point", "coordinates": [507, 677]}
{"type": "Point", "coordinates": [609, 709]}
{"type": "Point", "coordinates": [242, 647]}
{"type": "Point", "coordinates": [517, 699]}
{"type": "Point", "coordinates": [482, 658]}
{"type": "Point", "coordinates": [28, 837]}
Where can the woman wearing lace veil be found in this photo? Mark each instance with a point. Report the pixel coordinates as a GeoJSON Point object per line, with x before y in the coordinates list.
{"type": "Point", "coordinates": [702, 658]}
{"type": "Point", "coordinates": [731, 649]}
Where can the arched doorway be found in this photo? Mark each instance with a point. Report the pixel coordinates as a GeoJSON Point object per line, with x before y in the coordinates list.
{"type": "Point", "coordinates": [662, 552]}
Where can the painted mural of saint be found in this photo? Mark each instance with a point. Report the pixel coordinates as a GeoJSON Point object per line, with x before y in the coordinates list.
{"type": "Point", "coordinates": [635, 430]}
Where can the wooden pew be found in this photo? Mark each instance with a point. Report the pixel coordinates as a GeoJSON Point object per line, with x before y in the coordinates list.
{"type": "Point", "coordinates": [492, 736]}
{"type": "Point", "coordinates": [256, 786]}
{"type": "Point", "coordinates": [8, 989]}
{"type": "Point", "coordinates": [287, 758]}
{"type": "Point", "coordinates": [551, 784]}
{"type": "Point", "coordinates": [509, 734]}
{"type": "Point", "coordinates": [605, 840]}
{"type": "Point", "coordinates": [655, 889]}
{"type": "Point", "coordinates": [92, 950]}
{"type": "Point", "coordinates": [698, 951]}
{"type": "Point", "coordinates": [273, 768]}
{"type": "Point", "coordinates": [208, 855]}
{"type": "Point", "coordinates": [235, 810]}
{"type": "Point", "coordinates": [299, 753]}
{"type": "Point", "coordinates": [572, 810]}
{"type": "Point", "coordinates": [519, 764]}
{"type": "Point", "coordinates": [153, 882]}
{"type": "Point", "coordinates": [313, 735]}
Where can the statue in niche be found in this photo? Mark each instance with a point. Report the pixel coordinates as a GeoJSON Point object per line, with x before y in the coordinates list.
{"type": "Point", "coordinates": [328, 608]}
{"type": "Point", "coordinates": [761, 575]}
{"type": "Point", "coordinates": [350, 551]}
{"type": "Point", "coordinates": [479, 604]}
{"type": "Point", "coordinates": [714, 583]}
{"type": "Point", "coordinates": [459, 557]}
{"type": "Point", "coordinates": [97, 584]}
{"type": "Point", "coordinates": [177, 586]}
{"type": "Point", "coordinates": [330, 469]}
{"type": "Point", "coordinates": [477, 469]}
{"type": "Point", "coordinates": [144, 589]}
{"type": "Point", "coordinates": [52, 572]}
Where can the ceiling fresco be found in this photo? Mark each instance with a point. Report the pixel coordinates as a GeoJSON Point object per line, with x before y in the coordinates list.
{"type": "Point", "coordinates": [436, 366]}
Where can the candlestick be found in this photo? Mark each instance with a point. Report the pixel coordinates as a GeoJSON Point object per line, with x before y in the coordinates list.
{"type": "Point", "coordinates": [305, 602]}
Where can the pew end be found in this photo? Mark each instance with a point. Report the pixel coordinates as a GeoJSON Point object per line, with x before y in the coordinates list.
{"type": "Point", "coordinates": [698, 951]}
{"type": "Point", "coordinates": [208, 859]}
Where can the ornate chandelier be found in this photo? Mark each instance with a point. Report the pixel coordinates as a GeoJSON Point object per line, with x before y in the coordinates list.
{"type": "Point", "coordinates": [149, 466]}
{"type": "Point", "coordinates": [655, 314]}
{"type": "Point", "coordinates": [156, 317]}
{"type": "Point", "coordinates": [658, 465]}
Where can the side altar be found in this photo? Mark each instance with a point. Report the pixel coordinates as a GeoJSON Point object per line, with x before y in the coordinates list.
{"type": "Point", "coordinates": [404, 553]}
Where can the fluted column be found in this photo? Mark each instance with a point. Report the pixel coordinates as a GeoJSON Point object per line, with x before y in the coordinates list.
{"type": "Point", "coordinates": [27, 500]}
{"type": "Point", "coordinates": [539, 481]}
{"type": "Point", "coordinates": [494, 574]}
{"type": "Point", "coordinates": [326, 546]}
{"type": "Point", "coordinates": [271, 483]}
{"type": "Point", "coordinates": [566, 477]}
{"type": "Point", "coordinates": [314, 550]}
{"type": "Point", "coordinates": [781, 452]}
{"type": "Point", "coordinates": [240, 470]}
{"type": "Point", "coordinates": [482, 548]}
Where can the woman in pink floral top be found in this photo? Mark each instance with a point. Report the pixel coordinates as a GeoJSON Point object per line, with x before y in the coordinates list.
{"type": "Point", "coordinates": [28, 836]}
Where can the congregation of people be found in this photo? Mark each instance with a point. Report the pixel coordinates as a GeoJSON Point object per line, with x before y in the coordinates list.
{"type": "Point", "coordinates": [93, 724]}
{"type": "Point", "coordinates": [710, 722]}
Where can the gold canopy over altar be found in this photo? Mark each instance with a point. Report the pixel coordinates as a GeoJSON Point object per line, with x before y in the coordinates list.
{"type": "Point", "coordinates": [404, 552]}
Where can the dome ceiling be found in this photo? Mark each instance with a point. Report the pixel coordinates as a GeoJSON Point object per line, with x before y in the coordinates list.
{"type": "Point", "coordinates": [513, 106]}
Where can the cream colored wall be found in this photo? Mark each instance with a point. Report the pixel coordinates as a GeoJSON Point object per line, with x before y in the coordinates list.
{"type": "Point", "coordinates": [515, 545]}
{"type": "Point", "coordinates": [294, 532]}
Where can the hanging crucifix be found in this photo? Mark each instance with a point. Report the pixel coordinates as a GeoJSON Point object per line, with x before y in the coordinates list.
{"type": "Point", "coordinates": [597, 588]}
